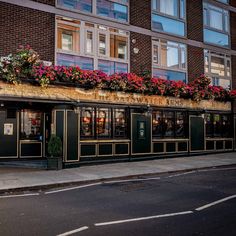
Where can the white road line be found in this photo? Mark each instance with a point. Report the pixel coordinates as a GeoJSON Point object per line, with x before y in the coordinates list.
{"type": "Point", "coordinates": [215, 203]}
{"type": "Point", "coordinates": [72, 188]}
{"type": "Point", "coordinates": [20, 195]}
{"type": "Point", "coordinates": [176, 175]}
{"type": "Point", "coordinates": [74, 231]}
{"type": "Point", "coordinates": [130, 180]}
{"type": "Point", "coordinates": [143, 218]}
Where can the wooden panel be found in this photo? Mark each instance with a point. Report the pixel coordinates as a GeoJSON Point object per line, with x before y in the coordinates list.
{"type": "Point", "coordinates": [88, 150]}
{"type": "Point", "coordinates": [158, 147]}
{"type": "Point", "coordinates": [31, 149]}
{"type": "Point", "coordinates": [105, 149]}
{"type": "Point", "coordinates": [170, 147]}
{"type": "Point", "coordinates": [122, 148]}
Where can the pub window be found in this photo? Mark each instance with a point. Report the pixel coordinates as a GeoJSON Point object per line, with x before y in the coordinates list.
{"type": "Point", "coordinates": [120, 123]}
{"type": "Point", "coordinates": [87, 122]}
{"type": "Point", "coordinates": [103, 122]}
{"type": "Point", "coordinates": [31, 125]}
{"type": "Point", "coordinates": [157, 123]}
{"type": "Point", "coordinates": [226, 126]}
{"type": "Point", "coordinates": [216, 125]}
{"type": "Point", "coordinates": [180, 124]}
{"type": "Point", "coordinates": [168, 124]}
{"type": "Point", "coordinates": [209, 125]}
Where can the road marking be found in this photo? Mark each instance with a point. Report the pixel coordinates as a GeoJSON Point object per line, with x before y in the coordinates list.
{"type": "Point", "coordinates": [72, 188]}
{"type": "Point", "coordinates": [215, 203]}
{"type": "Point", "coordinates": [143, 218]}
{"type": "Point", "coordinates": [176, 175]}
{"type": "Point", "coordinates": [20, 195]}
{"type": "Point", "coordinates": [130, 180]}
{"type": "Point", "coordinates": [74, 231]}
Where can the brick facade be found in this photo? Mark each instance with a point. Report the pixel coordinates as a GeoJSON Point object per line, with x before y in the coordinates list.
{"type": "Point", "coordinates": [140, 13]}
{"type": "Point", "coordinates": [194, 13]}
{"type": "Point", "coordinates": [195, 62]}
{"type": "Point", "coordinates": [142, 61]}
{"type": "Point", "coordinates": [22, 26]}
{"type": "Point", "coordinates": [48, 2]}
{"type": "Point", "coordinates": [233, 30]}
{"type": "Point", "coordinates": [233, 3]}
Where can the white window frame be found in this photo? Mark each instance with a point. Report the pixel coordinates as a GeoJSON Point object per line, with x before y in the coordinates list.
{"type": "Point", "coordinates": [178, 17]}
{"type": "Point", "coordinates": [95, 55]}
{"type": "Point", "coordinates": [206, 18]}
{"type": "Point", "coordinates": [226, 58]}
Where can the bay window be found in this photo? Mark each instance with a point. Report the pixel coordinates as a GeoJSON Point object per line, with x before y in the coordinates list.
{"type": "Point", "coordinates": [169, 16]}
{"type": "Point", "coordinates": [218, 68]}
{"type": "Point", "coordinates": [91, 46]}
{"type": "Point", "coordinates": [169, 60]}
{"type": "Point", "coordinates": [81, 5]}
{"type": "Point", "coordinates": [216, 25]}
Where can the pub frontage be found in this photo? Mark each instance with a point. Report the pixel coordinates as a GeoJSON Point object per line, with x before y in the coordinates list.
{"type": "Point", "coordinates": [104, 126]}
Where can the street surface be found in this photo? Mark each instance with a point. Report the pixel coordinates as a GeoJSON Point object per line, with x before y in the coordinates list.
{"type": "Point", "coordinates": [192, 203]}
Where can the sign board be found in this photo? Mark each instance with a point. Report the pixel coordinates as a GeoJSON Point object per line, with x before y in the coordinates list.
{"type": "Point", "coordinates": [8, 129]}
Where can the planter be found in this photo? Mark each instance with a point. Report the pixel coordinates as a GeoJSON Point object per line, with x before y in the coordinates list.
{"type": "Point", "coordinates": [54, 163]}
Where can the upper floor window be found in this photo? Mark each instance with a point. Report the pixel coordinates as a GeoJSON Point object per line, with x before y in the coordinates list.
{"type": "Point", "coordinates": [115, 9]}
{"type": "Point", "coordinates": [91, 46]}
{"type": "Point", "coordinates": [218, 68]}
{"type": "Point", "coordinates": [169, 60]}
{"type": "Point", "coordinates": [224, 1]}
{"type": "Point", "coordinates": [169, 16]}
{"type": "Point", "coordinates": [216, 25]}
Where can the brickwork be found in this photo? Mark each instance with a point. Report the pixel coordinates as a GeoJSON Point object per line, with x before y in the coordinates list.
{"type": "Point", "coordinates": [142, 61]}
{"type": "Point", "coordinates": [22, 26]}
{"type": "Point", "coordinates": [140, 13]}
{"type": "Point", "coordinates": [195, 20]}
{"type": "Point", "coordinates": [233, 29]}
{"type": "Point", "coordinates": [48, 2]}
{"type": "Point", "coordinates": [195, 62]}
{"type": "Point", "coordinates": [233, 3]}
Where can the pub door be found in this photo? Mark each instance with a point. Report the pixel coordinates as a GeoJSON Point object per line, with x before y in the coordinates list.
{"type": "Point", "coordinates": [197, 133]}
{"type": "Point", "coordinates": [141, 139]}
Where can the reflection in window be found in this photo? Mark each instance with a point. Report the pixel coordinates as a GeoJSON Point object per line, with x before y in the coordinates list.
{"type": "Point", "coordinates": [102, 44]}
{"type": "Point", "coordinates": [168, 124]}
{"type": "Point", "coordinates": [81, 5]}
{"type": "Point", "coordinates": [180, 132]}
{"type": "Point", "coordinates": [216, 38]}
{"type": "Point", "coordinates": [226, 126]}
{"type": "Point", "coordinates": [216, 125]}
{"type": "Point", "coordinates": [89, 42]}
{"type": "Point", "coordinates": [87, 122]}
{"type": "Point", "coordinates": [113, 10]}
{"type": "Point", "coordinates": [103, 122]}
{"type": "Point", "coordinates": [120, 123]}
{"type": "Point", "coordinates": [157, 123]}
{"type": "Point", "coordinates": [31, 125]}
{"type": "Point", "coordinates": [118, 47]}
{"type": "Point", "coordinates": [110, 67]}
{"type": "Point", "coordinates": [209, 125]}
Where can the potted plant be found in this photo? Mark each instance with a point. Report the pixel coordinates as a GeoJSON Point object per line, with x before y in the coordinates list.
{"type": "Point", "coordinates": [55, 153]}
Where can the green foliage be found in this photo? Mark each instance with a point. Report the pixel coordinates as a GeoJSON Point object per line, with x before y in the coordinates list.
{"type": "Point", "coordinates": [55, 146]}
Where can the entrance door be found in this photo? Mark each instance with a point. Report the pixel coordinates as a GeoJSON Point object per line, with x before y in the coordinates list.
{"type": "Point", "coordinates": [197, 133]}
{"type": "Point", "coordinates": [141, 134]}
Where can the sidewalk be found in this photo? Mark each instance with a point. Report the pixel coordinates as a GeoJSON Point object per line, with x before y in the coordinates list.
{"type": "Point", "coordinates": [15, 179]}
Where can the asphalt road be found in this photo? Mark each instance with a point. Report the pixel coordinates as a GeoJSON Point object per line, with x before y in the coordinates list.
{"type": "Point", "coordinates": [191, 204]}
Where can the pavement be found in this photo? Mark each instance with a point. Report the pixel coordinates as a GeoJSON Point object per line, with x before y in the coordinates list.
{"type": "Point", "coordinates": [17, 179]}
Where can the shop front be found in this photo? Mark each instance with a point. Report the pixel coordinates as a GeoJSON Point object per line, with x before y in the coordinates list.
{"type": "Point", "coordinates": [100, 126]}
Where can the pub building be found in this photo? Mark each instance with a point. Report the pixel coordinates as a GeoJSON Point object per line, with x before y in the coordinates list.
{"type": "Point", "coordinates": [101, 126]}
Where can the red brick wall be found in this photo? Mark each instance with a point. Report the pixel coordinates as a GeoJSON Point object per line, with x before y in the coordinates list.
{"type": "Point", "coordinates": [233, 3]}
{"type": "Point", "coordinates": [195, 20]}
{"type": "Point", "coordinates": [140, 13]}
{"type": "Point", "coordinates": [143, 60]}
{"type": "Point", "coordinates": [195, 62]}
{"type": "Point", "coordinates": [233, 29]}
{"type": "Point", "coordinates": [48, 2]}
{"type": "Point", "coordinates": [21, 26]}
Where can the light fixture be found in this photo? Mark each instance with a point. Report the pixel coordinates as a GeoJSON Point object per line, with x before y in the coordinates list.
{"type": "Point", "coordinates": [2, 104]}
{"type": "Point", "coordinates": [136, 50]}
{"type": "Point", "coordinates": [133, 41]}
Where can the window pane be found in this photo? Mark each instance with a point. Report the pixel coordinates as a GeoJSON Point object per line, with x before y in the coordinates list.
{"type": "Point", "coordinates": [216, 38]}
{"type": "Point", "coordinates": [121, 67]}
{"type": "Point", "coordinates": [217, 65]}
{"type": "Point", "coordinates": [216, 125]}
{"type": "Point", "coordinates": [168, 25]}
{"type": "Point", "coordinates": [112, 10]}
{"type": "Point", "coordinates": [157, 123]}
{"type": "Point", "coordinates": [180, 124]}
{"type": "Point", "coordinates": [31, 125]}
{"type": "Point", "coordinates": [216, 19]}
{"type": "Point", "coordinates": [169, 7]}
{"type": "Point", "coordinates": [118, 46]}
{"type": "Point", "coordinates": [103, 122]}
{"type": "Point", "coordinates": [82, 5]}
{"type": "Point", "coordinates": [226, 126]}
{"type": "Point", "coordinates": [154, 4]}
{"type": "Point", "coordinates": [182, 9]}
{"type": "Point", "coordinates": [168, 124]}
{"type": "Point", "coordinates": [120, 123]}
{"type": "Point", "coordinates": [169, 57]}
{"type": "Point", "coordinates": [225, 83]}
{"type": "Point", "coordinates": [102, 44]}
{"type": "Point", "coordinates": [169, 75]}
{"type": "Point", "coordinates": [155, 54]}
{"type": "Point", "coordinates": [68, 37]}
{"type": "Point", "coordinates": [89, 42]}
{"type": "Point", "coordinates": [87, 122]}
{"type": "Point", "coordinates": [209, 125]}
{"type": "Point", "coordinates": [107, 67]}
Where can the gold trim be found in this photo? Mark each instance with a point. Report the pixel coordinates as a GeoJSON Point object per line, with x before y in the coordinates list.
{"type": "Point", "coordinates": [105, 141]}
{"type": "Point", "coordinates": [30, 142]}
